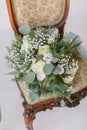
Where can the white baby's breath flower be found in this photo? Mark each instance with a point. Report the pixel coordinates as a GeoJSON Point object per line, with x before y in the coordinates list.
{"type": "Point", "coordinates": [73, 68]}
{"type": "Point", "coordinates": [26, 39]}
{"type": "Point", "coordinates": [25, 48]}
{"type": "Point", "coordinates": [41, 76]}
{"type": "Point", "coordinates": [48, 57]}
{"type": "Point", "coordinates": [51, 39]}
{"type": "Point", "coordinates": [38, 67]}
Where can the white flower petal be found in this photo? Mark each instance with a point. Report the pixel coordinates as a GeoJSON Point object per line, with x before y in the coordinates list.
{"type": "Point", "coordinates": [41, 76]}
{"type": "Point", "coordinates": [38, 67]}
{"type": "Point", "coordinates": [48, 57]}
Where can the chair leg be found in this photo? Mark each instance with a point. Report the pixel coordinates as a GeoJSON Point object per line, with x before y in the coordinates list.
{"type": "Point", "coordinates": [28, 119]}
{"type": "Point", "coordinates": [30, 126]}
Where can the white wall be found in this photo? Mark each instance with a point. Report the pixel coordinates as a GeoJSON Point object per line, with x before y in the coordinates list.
{"type": "Point", "coordinates": [10, 100]}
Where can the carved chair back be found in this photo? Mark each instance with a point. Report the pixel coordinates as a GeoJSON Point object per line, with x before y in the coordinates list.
{"type": "Point", "coordinates": [38, 12]}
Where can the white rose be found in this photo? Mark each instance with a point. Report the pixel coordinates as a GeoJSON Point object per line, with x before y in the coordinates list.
{"type": "Point", "coordinates": [38, 67]}
{"type": "Point", "coordinates": [43, 49]}
{"type": "Point", "coordinates": [48, 57]}
{"type": "Point", "coordinates": [41, 76]}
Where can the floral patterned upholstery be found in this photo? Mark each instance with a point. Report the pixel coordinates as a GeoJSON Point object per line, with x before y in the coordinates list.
{"type": "Point", "coordinates": [39, 12]}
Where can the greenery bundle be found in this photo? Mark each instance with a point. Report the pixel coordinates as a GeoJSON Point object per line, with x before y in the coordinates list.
{"type": "Point", "coordinates": [46, 64]}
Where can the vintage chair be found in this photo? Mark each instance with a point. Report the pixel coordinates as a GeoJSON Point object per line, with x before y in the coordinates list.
{"type": "Point", "coordinates": [42, 12]}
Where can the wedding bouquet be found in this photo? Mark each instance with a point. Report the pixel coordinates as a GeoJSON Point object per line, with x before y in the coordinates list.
{"type": "Point", "coordinates": [45, 63]}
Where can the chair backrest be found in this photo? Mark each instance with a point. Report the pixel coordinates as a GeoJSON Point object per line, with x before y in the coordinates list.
{"type": "Point", "coordinates": [37, 12]}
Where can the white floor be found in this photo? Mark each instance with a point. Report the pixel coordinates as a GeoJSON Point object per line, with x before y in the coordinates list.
{"type": "Point", "coordinates": [10, 100]}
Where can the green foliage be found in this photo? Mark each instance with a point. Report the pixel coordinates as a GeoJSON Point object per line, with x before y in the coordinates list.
{"type": "Point", "coordinates": [32, 34]}
{"type": "Point", "coordinates": [24, 29]}
{"type": "Point", "coordinates": [49, 88]}
{"type": "Point", "coordinates": [61, 87]}
{"type": "Point", "coordinates": [33, 96]}
{"type": "Point", "coordinates": [70, 41]}
{"type": "Point", "coordinates": [67, 95]}
{"type": "Point", "coordinates": [29, 77]}
{"type": "Point", "coordinates": [54, 48]}
{"type": "Point", "coordinates": [58, 94]}
{"type": "Point", "coordinates": [56, 70]}
{"type": "Point", "coordinates": [55, 60]}
{"type": "Point", "coordinates": [39, 57]}
{"type": "Point", "coordinates": [48, 68]}
{"type": "Point", "coordinates": [35, 90]}
{"type": "Point", "coordinates": [19, 40]}
{"type": "Point", "coordinates": [62, 103]}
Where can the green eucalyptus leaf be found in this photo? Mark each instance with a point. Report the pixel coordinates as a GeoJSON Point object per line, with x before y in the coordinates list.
{"type": "Point", "coordinates": [48, 68]}
{"type": "Point", "coordinates": [67, 95]}
{"type": "Point", "coordinates": [62, 103]}
{"type": "Point", "coordinates": [58, 93]}
{"type": "Point", "coordinates": [50, 88]}
{"type": "Point", "coordinates": [72, 38]}
{"type": "Point", "coordinates": [24, 29]}
{"type": "Point", "coordinates": [29, 77]}
{"type": "Point", "coordinates": [34, 87]}
{"type": "Point", "coordinates": [12, 73]}
{"type": "Point", "coordinates": [62, 87]}
{"type": "Point", "coordinates": [55, 60]}
{"type": "Point", "coordinates": [19, 39]}
{"type": "Point", "coordinates": [33, 96]}
{"type": "Point", "coordinates": [32, 34]}
{"type": "Point", "coordinates": [58, 80]}
{"type": "Point", "coordinates": [69, 37]}
{"type": "Point", "coordinates": [56, 70]}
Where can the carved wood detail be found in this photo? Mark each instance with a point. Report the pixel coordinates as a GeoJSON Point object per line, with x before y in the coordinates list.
{"type": "Point", "coordinates": [31, 110]}
{"type": "Point", "coordinates": [29, 116]}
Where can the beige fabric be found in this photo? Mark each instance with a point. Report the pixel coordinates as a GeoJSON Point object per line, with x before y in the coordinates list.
{"type": "Point", "coordinates": [39, 12]}
{"type": "Point", "coordinates": [81, 77]}
{"type": "Point", "coordinates": [26, 93]}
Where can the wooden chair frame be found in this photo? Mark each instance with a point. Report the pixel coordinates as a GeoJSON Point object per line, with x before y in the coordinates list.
{"type": "Point", "coordinates": [14, 23]}
{"type": "Point", "coordinates": [31, 110]}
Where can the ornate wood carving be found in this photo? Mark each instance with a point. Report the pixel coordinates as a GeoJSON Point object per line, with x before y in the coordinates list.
{"type": "Point", "coordinates": [31, 110]}
{"type": "Point", "coordinates": [29, 116]}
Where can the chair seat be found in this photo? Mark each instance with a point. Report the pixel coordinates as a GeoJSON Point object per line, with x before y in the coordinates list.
{"type": "Point", "coordinates": [79, 83]}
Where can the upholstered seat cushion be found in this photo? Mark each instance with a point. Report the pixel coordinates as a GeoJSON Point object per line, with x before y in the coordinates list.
{"type": "Point", "coordinates": [39, 12]}
{"type": "Point", "coordinates": [79, 83]}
